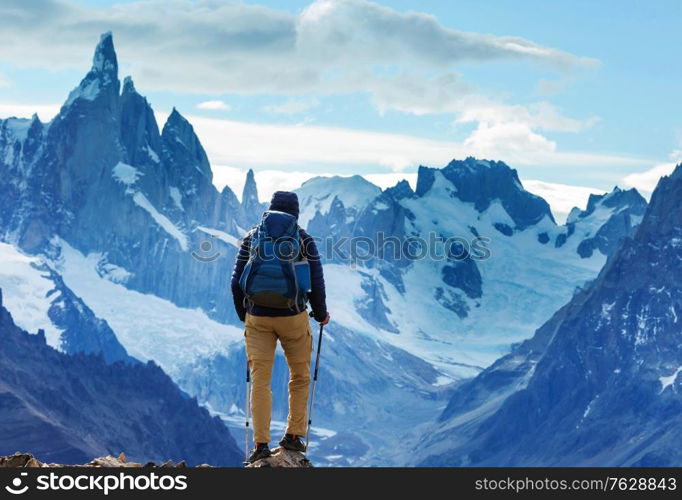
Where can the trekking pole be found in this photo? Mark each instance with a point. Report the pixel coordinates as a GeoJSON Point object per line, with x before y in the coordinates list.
{"type": "Point", "coordinates": [248, 410]}
{"type": "Point", "coordinates": [312, 394]}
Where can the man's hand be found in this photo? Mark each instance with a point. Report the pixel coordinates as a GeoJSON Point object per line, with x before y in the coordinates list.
{"type": "Point", "coordinates": [326, 320]}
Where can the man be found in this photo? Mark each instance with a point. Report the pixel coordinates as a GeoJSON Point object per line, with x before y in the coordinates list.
{"type": "Point", "coordinates": [289, 324]}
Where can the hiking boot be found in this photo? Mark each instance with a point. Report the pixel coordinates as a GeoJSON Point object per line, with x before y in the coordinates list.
{"type": "Point", "coordinates": [260, 451]}
{"type": "Point", "coordinates": [292, 443]}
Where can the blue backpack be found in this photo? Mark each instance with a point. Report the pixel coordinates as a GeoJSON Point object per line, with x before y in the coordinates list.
{"type": "Point", "coordinates": [277, 274]}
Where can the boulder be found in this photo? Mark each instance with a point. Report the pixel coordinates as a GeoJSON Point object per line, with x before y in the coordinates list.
{"type": "Point", "coordinates": [283, 458]}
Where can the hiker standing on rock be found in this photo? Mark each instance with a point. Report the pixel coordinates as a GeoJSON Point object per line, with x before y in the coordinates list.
{"type": "Point", "coordinates": [277, 272]}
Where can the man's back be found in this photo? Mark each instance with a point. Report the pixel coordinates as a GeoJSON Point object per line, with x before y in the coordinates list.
{"type": "Point", "coordinates": [279, 320]}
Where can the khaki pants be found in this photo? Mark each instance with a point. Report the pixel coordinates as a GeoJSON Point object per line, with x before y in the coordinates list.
{"type": "Point", "coordinates": [295, 335]}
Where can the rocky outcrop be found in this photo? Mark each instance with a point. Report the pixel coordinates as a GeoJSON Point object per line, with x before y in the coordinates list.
{"type": "Point", "coordinates": [283, 458]}
{"type": "Point", "coordinates": [279, 458]}
{"type": "Point", "coordinates": [28, 460]}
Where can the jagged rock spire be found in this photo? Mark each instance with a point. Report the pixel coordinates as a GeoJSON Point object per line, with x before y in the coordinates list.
{"type": "Point", "coordinates": [128, 85]}
{"type": "Point", "coordinates": [102, 79]}
{"type": "Point", "coordinates": [183, 148]}
{"type": "Point", "coordinates": [139, 130]}
{"type": "Point", "coordinates": [250, 192]}
{"type": "Point", "coordinates": [104, 61]}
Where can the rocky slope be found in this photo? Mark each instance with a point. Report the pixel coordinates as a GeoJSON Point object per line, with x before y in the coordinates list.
{"type": "Point", "coordinates": [28, 460]}
{"type": "Point", "coordinates": [68, 408]}
{"type": "Point", "coordinates": [279, 458]}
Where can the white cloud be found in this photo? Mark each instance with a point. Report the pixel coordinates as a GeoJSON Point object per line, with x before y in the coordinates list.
{"type": "Point", "coordinates": [540, 115]}
{"type": "Point", "coordinates": [500, 139]}
{"type": "Point", "coordinates": [357, 30]}
{"type": "Point", "coordinates": [561, 197]}
{"type": "Point", "coordinates": [293, 106]}
{"type": "Point", "coordinates": [4, 82]}
{"type": "Point", "coordinates": [411, 92]}
{"type": "Point", "coordinates": [403, 61]}
{"type": "Point", "coordinates": [646, 181]}
{"type": "Point", "coordinates": [214, 106]}
{"type": "Point", "coordinates": [234, 177]}
{"type": "Point", "coordinates": [331, 47]}
{"type": "Point", "coordinates": [342, 150]}
{"type": "Point", "coordinates": [314, 146]}
{"type": "Point", "coordinates": [386, 180]}
{"type": "Point", "coordinates": [45, 111]}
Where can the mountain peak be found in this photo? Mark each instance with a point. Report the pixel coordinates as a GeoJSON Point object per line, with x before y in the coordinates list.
{"type": "Point", "coordinates": [102, 77]}
{"type": "Point", "coordinates": [617, 198]}
{"type": "Point", "coordinates": [401, 190]}
{"type": "Point", "coordinates": [484, 181]}
{"type": "Point", "coordinates": [177, 123]}
{"type": "Point", "coordinates": [317, 194]}
{"type": "Point", "coordinates": [176, 118]}
{"type": "Point", "coordinates": [183, 144]}
{"type": "Point", "coordinates": [663, 219]}
{"type": "Point", "coordinates": [128, 85]}
{"type": "Point", "coordinates": [139, 129]}
{"type": "Point", "coordinates": [250, 192]}
{"type": "Point", "coordinates": [104, 60]}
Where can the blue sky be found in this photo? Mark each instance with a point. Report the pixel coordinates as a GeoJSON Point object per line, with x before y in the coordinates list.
{"type": "Point", "coordinates": [577, 93]}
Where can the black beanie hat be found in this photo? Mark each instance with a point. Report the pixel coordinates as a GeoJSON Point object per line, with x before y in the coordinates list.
{"type": "Point", "coordinates": [285, 201]}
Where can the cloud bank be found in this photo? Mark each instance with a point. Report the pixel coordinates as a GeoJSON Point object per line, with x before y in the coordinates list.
{"type": "Point", "coordinates": [404, 60]}
{"type": "Point", "coordinates": [325, 149]}
{"type": "Point", "coordinates": [646, 181]}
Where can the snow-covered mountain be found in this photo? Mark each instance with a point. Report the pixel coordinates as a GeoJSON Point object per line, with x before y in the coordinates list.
{"type": "Point", "coordinates": [461, 312]}
{"type": "Point", "coordinates": [607, 219]}
{"type": "Point", "coordinates": [319, 194]}
{"type": "Point", "coordinates": [102, 177]}
{"type": "Point", "coordinates": [40, 300]}
{"type": "Point", "coordinates": [125, 221]}
{"type": "Point", "coordinates": [53, 404]}
{"type": "Point", "coordinates": [598, 384]}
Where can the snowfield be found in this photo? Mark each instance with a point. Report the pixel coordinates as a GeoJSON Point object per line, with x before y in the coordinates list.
{"type": "Point", "coordinates": [164, 222]}
{"type": "Point", "coordinates": [25, 290]}
{"type": "Point", "coordinates": [221, 235]}
{"type": "Point", "coordinates": [126, 174]}
{"type": "Point", "coordinates": [147, 326]}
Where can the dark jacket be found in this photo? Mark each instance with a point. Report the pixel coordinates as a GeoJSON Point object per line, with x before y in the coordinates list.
{"type": "Point", "coordinates": [317, 295]}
